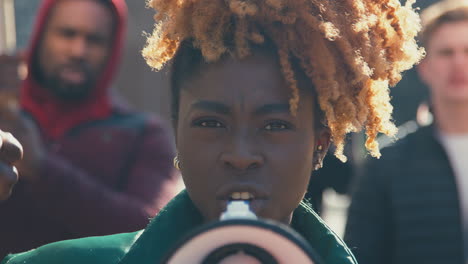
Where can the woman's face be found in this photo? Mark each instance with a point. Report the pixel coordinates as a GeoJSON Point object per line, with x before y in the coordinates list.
{"type": "Point", "coordinates": [237, 139]}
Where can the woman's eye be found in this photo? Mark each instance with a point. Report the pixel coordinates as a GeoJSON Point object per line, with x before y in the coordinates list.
{"type": "Point", "coordinates": [277, 126]}
{"type": "Point", "coordinates": [209, 124]}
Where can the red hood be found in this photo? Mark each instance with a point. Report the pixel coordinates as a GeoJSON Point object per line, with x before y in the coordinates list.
{"type": "Point", "coordinates": [54, 116]}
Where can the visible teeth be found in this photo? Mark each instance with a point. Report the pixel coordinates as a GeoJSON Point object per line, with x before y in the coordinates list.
{"type": "Point", "coordinates": [236, 195]}
{"type": "Point", "coordinates": [245, 196]}
{"type": "Point", "coordinates": [241, 196]}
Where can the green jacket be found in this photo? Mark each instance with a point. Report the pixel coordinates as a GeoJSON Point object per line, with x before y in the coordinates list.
{"type": "Point", "coordinates": [150, 245]}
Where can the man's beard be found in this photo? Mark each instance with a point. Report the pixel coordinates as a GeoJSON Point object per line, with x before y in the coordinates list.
{"type": "Point", "coordinates": [63, 89]}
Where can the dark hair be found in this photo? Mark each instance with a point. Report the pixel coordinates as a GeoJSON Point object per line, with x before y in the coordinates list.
{"type": "Point", "coordinates": [185, 64]}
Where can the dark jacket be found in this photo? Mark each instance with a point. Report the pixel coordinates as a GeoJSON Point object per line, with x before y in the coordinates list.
{"type": "Point", "coordinates": [405, 208]}
{"type": "Point", "coordinates": [173, 223]}
{"type": "Point", "coordinates": [107, 169]}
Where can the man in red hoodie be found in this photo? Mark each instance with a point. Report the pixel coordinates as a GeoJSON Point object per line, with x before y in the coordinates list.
{"type": "Point", "coordinates": [91, 167]}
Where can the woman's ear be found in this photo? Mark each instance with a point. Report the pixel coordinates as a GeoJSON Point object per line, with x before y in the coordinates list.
{"type": "Point", "coordinates": [322, 144]}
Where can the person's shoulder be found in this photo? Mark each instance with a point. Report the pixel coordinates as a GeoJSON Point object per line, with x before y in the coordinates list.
{"type": "Point", "coordinates": [102, 250]}
{"type": "Point", "coordinates": [396, 159]}
{"type": "Point", "coordinates": [404, 147]}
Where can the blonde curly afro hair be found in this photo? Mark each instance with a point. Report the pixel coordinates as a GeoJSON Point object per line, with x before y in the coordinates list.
{"type": "Point", "coordinates": [351, 50]}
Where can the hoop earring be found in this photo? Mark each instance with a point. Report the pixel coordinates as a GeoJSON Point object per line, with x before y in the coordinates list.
{"type": "Point", "coordinates": [318, 166]}
{"type": "Point", "coordinates": [176, 162]}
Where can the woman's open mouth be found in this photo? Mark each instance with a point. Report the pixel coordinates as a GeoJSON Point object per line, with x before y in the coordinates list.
{"type": "Point", "coordinates": [256, 197]}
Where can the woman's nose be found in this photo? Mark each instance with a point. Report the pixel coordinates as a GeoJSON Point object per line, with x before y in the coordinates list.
{"type": "Point", "coordinates": [242, 157]}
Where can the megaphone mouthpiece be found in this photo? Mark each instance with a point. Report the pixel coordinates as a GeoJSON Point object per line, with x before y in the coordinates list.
{"type": "Point", "coordinates": [238, 210]}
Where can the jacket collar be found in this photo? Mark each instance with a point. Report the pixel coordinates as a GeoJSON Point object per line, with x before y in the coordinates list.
{"type": "Point", "coordinates": [180, 217]}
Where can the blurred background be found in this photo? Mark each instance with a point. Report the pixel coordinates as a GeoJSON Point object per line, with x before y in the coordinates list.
{"type": "Point", "coordinates": [147, 90]}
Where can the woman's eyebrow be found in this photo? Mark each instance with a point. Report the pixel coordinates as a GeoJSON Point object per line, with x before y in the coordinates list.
{"type": "Point", "coordinates": [211, 106]}
{"type": "Point", "coordinates": [273, 108]}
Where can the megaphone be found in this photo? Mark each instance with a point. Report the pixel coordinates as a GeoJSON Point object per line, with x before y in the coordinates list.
{"type": "Point", "coordinates": [240, 237]}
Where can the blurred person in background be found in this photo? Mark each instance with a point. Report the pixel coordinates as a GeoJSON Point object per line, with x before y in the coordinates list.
{"type": "Point", "coordinates": [405, 97]}
{"type": "Point", "coordinates": [411, 206]}
{"type": "Point", "coordinates": [91, 166]}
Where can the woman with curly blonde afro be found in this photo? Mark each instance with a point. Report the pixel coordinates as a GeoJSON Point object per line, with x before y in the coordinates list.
{"type": "Point", "coordinates": [350, 50]}
{"type": "Point", "coordinates": [260, 88]}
